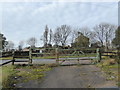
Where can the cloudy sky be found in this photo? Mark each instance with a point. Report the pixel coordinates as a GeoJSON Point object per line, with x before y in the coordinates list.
{"type": "Point", "coordinates": [22, 20]}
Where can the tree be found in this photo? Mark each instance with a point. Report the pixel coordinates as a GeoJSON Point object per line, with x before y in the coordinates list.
{"type": "Point", "coordinates": [50, 37]}
{"type": "Point", "coordinates": [88, 33]}
{"type": "Point", "coordinates": [56, 37]}
{"type": "Point", "coordinates": [20, 46]}
{"type": "Point", "coordinates": [32, 41]}
{"type": "Point", "coordinates": [3, 42]}
{"type": "Point", "coordinates": [62, 33]}
{"type": "Point", "coordinates": [92, 38]}
{"type": "Point", "coordinates": [85, 31]}
{"type": "Point", "coordinates": [74, 35]}
{"type": "Point", "coordinates": [10, 46]}
{"type": "Point", "coordinates": [46, 36]}
{"type": "Point", "coordinates": [116, 40]}
{"type": "Point", "coordinates": [81, 41]}
{"type": "Point", "coordinates": [105, 33]}
{"type": "Point", "coordinates": [95, 44]}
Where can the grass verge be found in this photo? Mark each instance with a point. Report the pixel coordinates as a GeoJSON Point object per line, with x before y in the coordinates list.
{"type": "Point", "coordinates": [110, 69]}
{"type": "Point", "coordinates": [7, 73]}
{"type": "Point", "coordinates": [21, 73]}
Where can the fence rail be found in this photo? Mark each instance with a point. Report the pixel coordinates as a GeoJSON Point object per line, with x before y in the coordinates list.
{"type": "Point", "coordinates": [57, 53]}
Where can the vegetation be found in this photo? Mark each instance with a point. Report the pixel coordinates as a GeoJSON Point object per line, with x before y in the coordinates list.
{"type": "Point", "coordinates": [27, 73]}
{"type": "Point", "coordinates": [32, 41]}
{"type": "Point", "coordinates": [3, 41]}
{"type": "Point", "coordinates": [11, 75]}
{"type": "Point", "coordinates": [101, 36]}
{"type": "Point", "coordinates": [81, 41]}
{"type": "Point", "coordinates": [7, 73]}
{"type": "Point", "coordinates": [9, 46]}
{"type": "Point", "coordinates": [116, 40]}
{"type": "Point", "coordinates": [110, 67]}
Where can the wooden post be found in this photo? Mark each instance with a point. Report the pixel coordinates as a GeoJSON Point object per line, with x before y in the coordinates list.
{"type": "Point", "coordinates": [30, 55]}
{"type": "Point", "coordinates": [57, 56]}
{"type": "Point", "coordinates": [98, 54]}
{"type": "Point", "coordinates": [78, 61]}
{"type": "Point", "coordinates": [118, 54]}
{"type": "Point", "coordinates": [13, 59]}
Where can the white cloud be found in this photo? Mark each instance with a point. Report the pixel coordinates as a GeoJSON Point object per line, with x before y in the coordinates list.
{"type": "Point", "coordinates": [24, 20]}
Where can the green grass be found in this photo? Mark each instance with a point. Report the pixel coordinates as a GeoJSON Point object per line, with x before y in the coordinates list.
{"type": "Point", "coordinates": [111, 71]}
{"type": "Point", "coordinates": [34, 72]}
{"type": "Point", "coordinates": [0, 77]}
{"type": "Point", "coordinates": [24, 72]}
{"type": "Point", "coordinates": [118, 84]}
{"type": "Point", "coordinates": [6, 73]}
{"type": "Point", "coordinates": [6, 58]}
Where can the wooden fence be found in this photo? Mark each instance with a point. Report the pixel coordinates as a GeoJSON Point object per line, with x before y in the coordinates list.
{"type": "Point", "coordinates": [57, 53]}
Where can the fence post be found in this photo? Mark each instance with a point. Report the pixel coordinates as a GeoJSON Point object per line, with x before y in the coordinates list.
{"type": "Point", "coordinates": [118, 54]}
{"type": "Point", "coordinates": [98, 54]}
{"type": "Point", "coordinates": [30, 55]}
{"type": "Point", "coordinates": [13, 59]}
{"type": "Point", "coordinates": [57, 56]}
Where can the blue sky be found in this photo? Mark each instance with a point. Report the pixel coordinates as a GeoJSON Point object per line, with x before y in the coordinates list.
{"type": "Point", "coordinates": [22, 20]}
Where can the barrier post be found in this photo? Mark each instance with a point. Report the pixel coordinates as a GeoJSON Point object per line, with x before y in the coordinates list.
{"type": "Point", "coordinates": [13, 59]}
{"type": "Point", "coordinates": [98, 54]}
{"type": "Point", "coordinates": [30, 55]}
{"type": "Point", "coordinates": [57, 56]}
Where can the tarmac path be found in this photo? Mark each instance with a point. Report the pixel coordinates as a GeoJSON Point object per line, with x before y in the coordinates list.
{"type": "Point", "coordinates": [83, 76]}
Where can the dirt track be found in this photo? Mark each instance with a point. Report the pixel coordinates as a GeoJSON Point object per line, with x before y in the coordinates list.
{"type": "Point", "coordinates": [84, 76]}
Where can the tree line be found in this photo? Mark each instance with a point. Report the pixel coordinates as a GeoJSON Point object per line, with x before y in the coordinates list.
{"type": "Point", "coordinates": [102, 35]}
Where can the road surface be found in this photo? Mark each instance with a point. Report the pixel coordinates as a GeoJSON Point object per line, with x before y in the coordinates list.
{"type": "Point", "coordinates": [84, 76]}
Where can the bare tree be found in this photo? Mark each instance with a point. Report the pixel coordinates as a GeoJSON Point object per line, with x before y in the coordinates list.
{"type": "Point", "coordinates": [105, 33]}
{"type": "Point", "coordinates": [56, 37]}
{"type": "Point", "coordinates": [10, 46]}
{"type": "Point", "coordinates": [74, 34]}
{"type": "Point", "coordinates": [63, 32]}
{"type": "Point", "coordinates": [32, 41]}
{"type": "Point", "coordinates": [92, 38]}
{"type": "Point", "coordinates": [85, 31]}
{"type": "Point", "coordinates": [20, 46]}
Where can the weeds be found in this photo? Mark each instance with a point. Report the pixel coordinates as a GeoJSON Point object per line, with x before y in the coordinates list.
{"type": "Point", "coordinates": [22, 73]}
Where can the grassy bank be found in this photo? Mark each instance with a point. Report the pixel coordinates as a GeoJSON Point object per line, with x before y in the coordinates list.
{"type": "Point", "coordinates": [110, 67]}
{"type": "Point", "coordinates": [6, 73]}
{"type": "Point", "coordinates": [21, 73]}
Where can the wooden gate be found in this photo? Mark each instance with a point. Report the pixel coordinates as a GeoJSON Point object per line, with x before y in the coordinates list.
{"type": "Point", "coordinates": [59, 54]}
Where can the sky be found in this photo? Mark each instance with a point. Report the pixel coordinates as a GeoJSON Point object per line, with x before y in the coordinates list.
{"type": "Point", "coordinates": [22, 20]}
